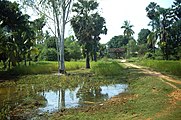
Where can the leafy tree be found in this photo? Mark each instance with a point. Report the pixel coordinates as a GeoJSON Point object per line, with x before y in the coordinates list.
{"type": "Point", "coordinates": [51, 54]}
{"type": "Point", "coordinates": [9, 14]}
{"type": "Point", "coordinates": [72, 49]}
{"type": "Point", "coordinates": [117, 42]}
{"type": "Point", "coordinates": [21, 33]}
{"type": "Point", "coordinates": [131, 48]}
{"type": "Point", "coordinates": [164, 22]}
{"type": "Point", "coordinates": [142, 36]}
{"type": "Point", "coordinates": [48, 51]}
{"type": "Point", "coordinates": [176, 8]}
{"type": "Point", "coordinates": [174, 30]}
{"type": "Point", "coordinates": [3, 49]}
{"type": "Point", "coordinates": [153, 14]}
{"type": "Point", "coordinates": [87, 25]}
{"type": "Point", "coordinates": [143, 49]}
{"type": "Point", "coordinates": [50, 42]}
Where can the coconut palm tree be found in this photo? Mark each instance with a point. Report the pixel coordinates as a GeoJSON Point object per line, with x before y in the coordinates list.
{"type": "Point", "coordinates": [128, 32]}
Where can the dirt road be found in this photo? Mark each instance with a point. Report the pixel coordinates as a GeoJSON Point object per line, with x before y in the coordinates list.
{"type": "Point", "coordinates": [168, 80]}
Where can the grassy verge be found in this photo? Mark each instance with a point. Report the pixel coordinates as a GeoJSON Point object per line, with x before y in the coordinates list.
{"type": "Point", "coordinates": [107, 68]}
{"type": "Point", "coordinates": [42, 67]}
{"type": "Point", "coordinates": [169, 67]}
{"type": "Point", "coordinates": [147, 98]}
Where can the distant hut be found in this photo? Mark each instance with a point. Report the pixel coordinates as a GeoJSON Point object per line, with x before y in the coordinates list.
{"type": "Point", "coordinates": [117, 52]}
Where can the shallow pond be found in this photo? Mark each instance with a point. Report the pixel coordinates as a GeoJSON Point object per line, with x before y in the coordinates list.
{"type": "Point", "coordinates": [57, 100]}
{"type": "Point", "coordinates": [50, 93]}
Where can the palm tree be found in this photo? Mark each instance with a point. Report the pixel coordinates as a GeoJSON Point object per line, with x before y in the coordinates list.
{"type": "Point", "coordinates": [88, 25]}
{"type": "Point", "coordinates": [128, 32]}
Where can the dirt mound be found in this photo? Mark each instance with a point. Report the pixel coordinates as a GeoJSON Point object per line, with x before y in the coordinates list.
{"type": "Point", "coordinates": [176, 95]}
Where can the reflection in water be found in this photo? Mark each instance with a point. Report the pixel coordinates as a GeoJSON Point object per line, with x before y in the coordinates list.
{"type": "Point", "coordinates": [60, 99]}
{"type": "Point", "coordinates": [71, 91]}
{"type": "Point", "coordinates": [57, 100]}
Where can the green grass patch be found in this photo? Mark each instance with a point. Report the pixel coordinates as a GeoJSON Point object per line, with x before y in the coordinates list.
{"type": "Point", "coordinates": [41, 67]}
{"type": "Point", "coordinates": [107, 68]}
{"type": "Point", "coordinates": [170, 67]}
{"type": "Point", "coordinates": [74, 65]}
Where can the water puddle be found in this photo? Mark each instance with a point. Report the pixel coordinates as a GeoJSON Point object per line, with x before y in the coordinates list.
{"type": "Point", "coordinates": [48, 93]}
{"type": "Point", "coordinates": [57, 100]}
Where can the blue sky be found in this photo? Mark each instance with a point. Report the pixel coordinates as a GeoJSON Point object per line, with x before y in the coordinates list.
{"type": "Point", "coordinates": [117, 11]}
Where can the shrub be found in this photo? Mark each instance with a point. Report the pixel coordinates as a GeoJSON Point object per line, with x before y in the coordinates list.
{"type": "Point", "coordinates": [149, 55]}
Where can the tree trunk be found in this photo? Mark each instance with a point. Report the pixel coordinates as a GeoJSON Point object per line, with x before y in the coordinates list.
{"type": "Point", "coordinates": [87, 60]}
{"type": "Point", "coordinates": [95, 55]}
{"type": "Point", "coordinates": [62, 61]}
{"type": "Point", "coordinates": [58, 43]}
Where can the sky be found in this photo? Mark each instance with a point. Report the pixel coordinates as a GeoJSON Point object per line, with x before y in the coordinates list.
{"type": "Point", "coordinates": [116, 12]}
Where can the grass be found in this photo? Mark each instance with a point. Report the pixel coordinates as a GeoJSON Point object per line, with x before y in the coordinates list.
{"type": "Point", "coordinates": [169, 67]}
{"type": "Point", "coordinates": [107, 68]}
{"type": "Point", "coordinates": [74, 65]}
{"type": "Point", "coordinates": [47, 67]}
{"type": "Point", "coordinates": [149, 98]}
{"type": "Point", "coordinates": [42, 67]}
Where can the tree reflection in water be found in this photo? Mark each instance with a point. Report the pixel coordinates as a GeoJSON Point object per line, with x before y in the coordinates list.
{"type": "Point", "coordinates": [70, 91]}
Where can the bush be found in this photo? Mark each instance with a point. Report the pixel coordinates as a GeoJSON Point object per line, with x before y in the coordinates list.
{"type": "Point", "coordinates": [149, 55]}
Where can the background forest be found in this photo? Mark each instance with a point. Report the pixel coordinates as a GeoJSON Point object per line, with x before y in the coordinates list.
{"type": "Point", "coordinates": [23, 40]}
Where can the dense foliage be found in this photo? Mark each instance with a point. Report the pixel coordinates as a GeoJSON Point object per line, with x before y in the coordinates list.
{"type": "Point", "coordinates": [118, 42]}
{"type": "Point", "coordinates": [166, 30]}
{"type": "Point", "coordinates": [18, 34]}
{"type": "Point", "coordinates": [88, 25]}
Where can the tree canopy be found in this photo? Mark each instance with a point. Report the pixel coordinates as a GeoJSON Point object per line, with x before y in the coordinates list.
{"type": "Point", "coordinates": [118, 42]}
{"type": "Point", "coordinates": [19, 34]}
{"type": "Point", "coordinates": [128, 32]}
{"type": "Point", "coordinates": [142, 36]}
{"type": "Point", "coordinates": [166, 27]}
